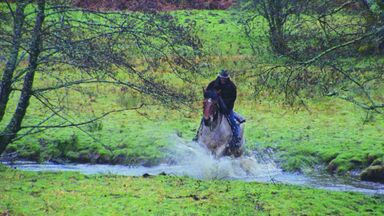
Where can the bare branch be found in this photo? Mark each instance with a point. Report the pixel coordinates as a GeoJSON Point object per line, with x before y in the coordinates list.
{"type": "Point", "coordinates": [85, 122]}
{"type": "Point", "coordinates": [10, 9]}
{"type": "Point", "coordinates": [329, 50]}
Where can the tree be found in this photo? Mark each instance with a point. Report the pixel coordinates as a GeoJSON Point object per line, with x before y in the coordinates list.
{"type": "Point", "coordinates": [98, 47]}
{"type": "Point", "coordinates": [322, 51]}
{"type": "Point", "coordinates": [277, 14]}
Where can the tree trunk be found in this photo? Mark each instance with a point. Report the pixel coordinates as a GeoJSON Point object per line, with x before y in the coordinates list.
{"type": "Point", "coordinates": [6, 81]}
{"type": "Point", "coordinates": [273, 12]}
{"type": "Point", "coordinates": [14, 125]}
{"type": "Point", "coordinates": [278, 42]}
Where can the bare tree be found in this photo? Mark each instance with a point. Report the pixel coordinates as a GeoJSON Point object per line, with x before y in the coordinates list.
{"type": "Point", "coordinates": [99, 47]}
{"type": "Point", "coordinates": [323, 51]}
{"type": "Point", "coordinates": [277, 13]}
{"type": "Point", "coordinates": [6, 82]}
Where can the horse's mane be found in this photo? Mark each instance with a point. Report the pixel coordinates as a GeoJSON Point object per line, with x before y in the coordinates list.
{"type": "Point", "coordinates": [210, 94]}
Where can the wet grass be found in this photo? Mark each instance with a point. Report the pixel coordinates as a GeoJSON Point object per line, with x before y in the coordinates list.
{"type": "Point", "coordinates": [75, 194]}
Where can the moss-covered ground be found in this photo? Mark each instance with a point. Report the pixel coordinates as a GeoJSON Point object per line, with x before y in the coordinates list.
{"type": "Point", "coordinates": [28, 193]}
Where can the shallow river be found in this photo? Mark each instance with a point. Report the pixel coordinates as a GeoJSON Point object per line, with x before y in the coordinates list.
{"type": "Point", "coordinates": [191, 160]}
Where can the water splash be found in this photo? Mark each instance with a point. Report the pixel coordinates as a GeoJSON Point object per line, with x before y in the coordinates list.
{"type": "Point", "coordinates": [198, 162]}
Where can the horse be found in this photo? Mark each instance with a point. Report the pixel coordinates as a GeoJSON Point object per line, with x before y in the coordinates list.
{"type": "Point", "coordinates": [215, 131]}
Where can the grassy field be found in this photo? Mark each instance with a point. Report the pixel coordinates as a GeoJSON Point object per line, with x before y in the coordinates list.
{"type": "Point", "coordinates": [27, 193]}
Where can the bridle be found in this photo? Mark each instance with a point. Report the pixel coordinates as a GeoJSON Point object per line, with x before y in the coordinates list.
{"type": "Point", "coordinates": [210, 112]}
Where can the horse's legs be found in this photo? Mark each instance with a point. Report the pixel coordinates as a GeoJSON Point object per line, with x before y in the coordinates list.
{"type": "Point", "coordinates": [196, 138]}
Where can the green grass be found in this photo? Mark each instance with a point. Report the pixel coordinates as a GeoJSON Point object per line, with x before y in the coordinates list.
{"type": "Point", "coordinates": [220, 31]}
{"type": "Point", "coordinates": [75, 194]}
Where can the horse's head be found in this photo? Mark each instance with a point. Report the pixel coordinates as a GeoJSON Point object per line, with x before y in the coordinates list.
{"type": "Point", "coordinates": [210, 106]}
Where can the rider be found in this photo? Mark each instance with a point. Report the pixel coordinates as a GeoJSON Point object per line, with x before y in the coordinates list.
{"type": "Point", "coordinates": [226, 89]}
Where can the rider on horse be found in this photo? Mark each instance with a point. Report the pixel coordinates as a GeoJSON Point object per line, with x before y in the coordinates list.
{"type": "Point", "coordinates": [227, 93]}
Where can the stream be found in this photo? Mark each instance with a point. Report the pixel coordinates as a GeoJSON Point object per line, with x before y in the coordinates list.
{"type": "Point", "coordinates": [190, 159]}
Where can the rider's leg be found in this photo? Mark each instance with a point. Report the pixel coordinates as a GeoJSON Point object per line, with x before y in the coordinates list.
{"type": "Point", "coordinates": [238, 117]}
{"type": "Point", "coordinates": [234, 126]}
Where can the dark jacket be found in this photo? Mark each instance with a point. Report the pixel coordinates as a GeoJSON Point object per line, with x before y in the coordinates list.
{"type": "Point", "coordinates": [227, 93]}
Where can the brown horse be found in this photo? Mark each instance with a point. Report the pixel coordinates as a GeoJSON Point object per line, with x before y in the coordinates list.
{"type": "Point", "coordinates": [215, 130]}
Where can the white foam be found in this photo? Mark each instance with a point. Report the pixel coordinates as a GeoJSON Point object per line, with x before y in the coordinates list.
{"type": "Point", "coordinates": [198, 162]}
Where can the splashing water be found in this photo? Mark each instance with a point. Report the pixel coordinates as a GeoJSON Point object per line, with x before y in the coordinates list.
{"type": "Point", "coordinates": [197, 161]}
